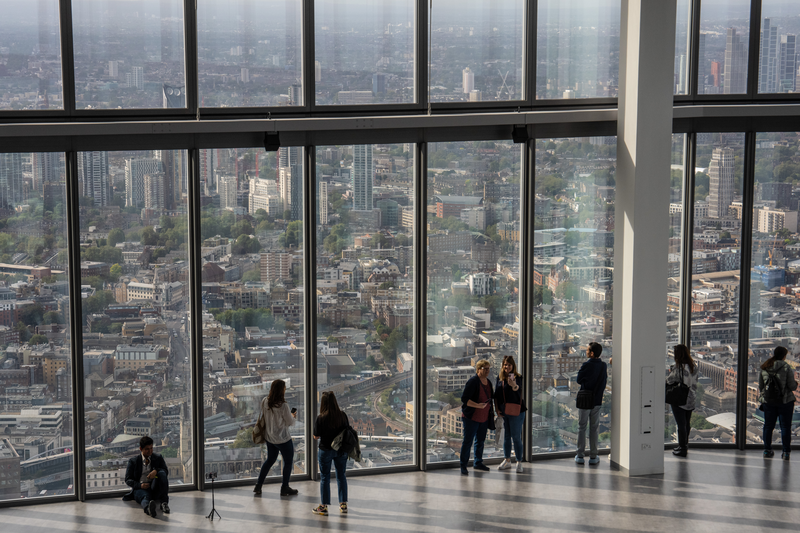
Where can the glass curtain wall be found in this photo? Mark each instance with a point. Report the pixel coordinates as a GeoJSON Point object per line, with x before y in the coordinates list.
{"type": "Point", "coordinates": [683, 46]}
{"type": "Point", "coordinates": [30, 56]}
{"type": "Point", "coordinates": [135, 298]}
{"type": "Point", "coordinates": [578, 49]}
{"type": "Point", "coordinates": [723, 46]}
{"type": "Point", "coordinates": [249, 53]}
{"type": "Point", "coordinates": [365, 316]}
{"type": "Point", "coordinates": [573, 281]}
{"type": "Point", "coordinates": [476, 50]}
{"type": "Point", "coordinates": [129, 55]}
{"type": "Point", "coordinates": [678, 176]}
{"type": "Point", "coordinates": [716, 283]}
{"type": "Point", "coordinates": [473, 240]}
{"type": "Point", "coordinates": [35, 363]}
{"type": "Point", "coordinates": [364, 52]}
{"type": "Point", "coordinates": [775, 268]}
{"type": "Point", "coordinates": [252, 255]}
{"type": "Point", "coordinates": [777, 53]}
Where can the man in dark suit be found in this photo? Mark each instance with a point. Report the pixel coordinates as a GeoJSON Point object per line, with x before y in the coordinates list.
{"type": "Point", "coordinates": [147, 476]}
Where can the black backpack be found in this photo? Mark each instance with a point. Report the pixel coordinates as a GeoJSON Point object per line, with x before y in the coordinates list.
{"type": "Point", "coordinates": [773, 392]}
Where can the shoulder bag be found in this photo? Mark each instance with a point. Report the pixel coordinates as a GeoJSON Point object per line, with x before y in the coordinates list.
{"type": "Point", "coordinates": [677, 393]}
{"type": "Point", "coordinates": [260, 429]}
{"type": "Point", "coordinates": [510, 409]}
{"type": "Point", "coordinates": [585, 399]}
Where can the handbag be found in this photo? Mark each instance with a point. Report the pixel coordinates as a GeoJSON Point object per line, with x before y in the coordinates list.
{"type": "Point", "coordinates": [260, 430]}
{"type": "Point", "coordinates": [510, 409]}
{"type": "Point", "coordinates": [585, 399]}
{"type": "Point", "coordinates": [677, 393]}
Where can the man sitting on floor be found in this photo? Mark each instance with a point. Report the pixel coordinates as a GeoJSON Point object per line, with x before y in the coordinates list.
{"type": "Point", "coordinates": [147, 477]}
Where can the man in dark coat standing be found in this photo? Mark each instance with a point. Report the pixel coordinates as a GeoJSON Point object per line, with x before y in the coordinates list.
{"type": "Point", "coordinates": [592, 376]}
{"type": "Point", "coordinates": [147, 476]}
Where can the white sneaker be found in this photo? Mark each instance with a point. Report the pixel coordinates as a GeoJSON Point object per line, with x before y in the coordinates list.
{"type": "Point", "coordinates": [505, 465]}
{"type": "Point", "coordinates": [519, 467]}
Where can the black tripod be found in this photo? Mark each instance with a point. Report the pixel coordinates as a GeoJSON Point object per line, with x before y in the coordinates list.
{"type": "Point", "coordinates": [210, 516]}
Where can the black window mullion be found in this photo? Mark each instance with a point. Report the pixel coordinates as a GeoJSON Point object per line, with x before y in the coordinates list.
{"type": "Point", "coordinates": [687, 241]}
{"type": "Point", "coordinates": [420, 327]}
{"type": "Point", "coordinates": [67, 57]}
{"type": "Point", "coordinates": [190, 49]}
{"type": "Point", "coordinates": [309, 56]}
{"type": "Point", "coordinates": [422, 54]}
{"type": "Point", "coordinates": [694, 51]}
{"type": "Point", "coordinates": [754, 50]}
{"type": "Point", "coordinates": [526, 288]}
{"type": "Point", "coordinates": [310, 189]}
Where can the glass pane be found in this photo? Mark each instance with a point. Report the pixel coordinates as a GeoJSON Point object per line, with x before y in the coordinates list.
{"type": "Point", "coordinates": [677, 180]}
{"type": "Point", "coordinates": [128, 55]}
{"type": "Point", "coordinates": [476, 50]}
{"type": "Point", "coordinates": [683, 35]}
{"type": "Point", "coordinates": [473, 236]}
{"type": "Point", "coordinates": [777, 54]}
{"type": "Point", "coordinates": [365, 334]}
{"type": "Point", "coordinates": [364, 52]}
{"type": "Point", "coordinates": [136, 300]}
{"type": "Point", "coordinates": [30, 55]}
{"type": "Point", "coordinates": [573, 281]}
{"type": "Point", "coordinates": [715, 283]}
{"type": "Point", "coordinates": [252, 230]}
{"type": "Point", "coordinates": [249, 53]}
{"type": "Point", "coordinates": [578, 49]}
{"type": "Point", "coordinates": [773, 319]}
{"type": "Point", "coordinates": [35, 367]}
{"type": "Point", "coordinates": [724, 37]}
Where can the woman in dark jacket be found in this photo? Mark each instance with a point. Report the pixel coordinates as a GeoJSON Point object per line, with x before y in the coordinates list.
{"type": "Point", "coordinates": [477, 415]}
{"type": "Point", "coordinates": [508, 397]}
{"type": "Point", "coordinates": [330, 422]}
{"type": "Point", "coordinates": [780, 373]}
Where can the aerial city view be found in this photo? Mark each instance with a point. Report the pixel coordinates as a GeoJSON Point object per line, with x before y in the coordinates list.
{"type": "Point", "coordinates": [134, 236]}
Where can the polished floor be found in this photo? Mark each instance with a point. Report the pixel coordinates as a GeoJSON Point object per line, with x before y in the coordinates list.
{"type": "Point", "coordinates": [711, 491]}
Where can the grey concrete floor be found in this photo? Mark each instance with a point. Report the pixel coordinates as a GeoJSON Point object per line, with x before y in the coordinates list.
{"type": "Point", "coordinates": [710, 491]}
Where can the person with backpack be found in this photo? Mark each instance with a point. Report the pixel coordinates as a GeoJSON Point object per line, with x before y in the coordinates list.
{"type": "Point", "coordinates": [330, 422]}
{"type": "Point", "coordinates": [592, 376]}
{"type": "Point", "coordinates": [278, 418]}
{"type": "Point", "coordinates": [684, 371]}
{"type": "Point", "coordinates": [510, 407]}
{"type": "Point", "coordinates": [776, 384]}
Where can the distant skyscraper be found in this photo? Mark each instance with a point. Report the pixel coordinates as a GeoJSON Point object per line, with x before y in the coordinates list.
{"type": "Point", "coordinates": [788, 64]}
{"type": "Point", "coordinates": [721, 182]}
{"type": "Point", "coordinates": [295, 94]}
{"type": "Point", "coordinates": [290, 180]}
{"type": "Point", "coordinates": [703, 65]}
{"type": "Point", "coordinates": [154, 191]}
{"type": "Point", "coordinates": [207, 166]}
{"type": "Point", "coordinates": [378, 83]}
{"type": "Point", "coordinates": [317, 72]}
{"type": "Point", "coordinates": [768, 58]}
{"type": "Point", "coordinates": [245, 75]}
{"type": "Point", "coordinates": [47, 167]}
{"type": "Point", "coordinates": [735, 64]}
{"type": "Point", "coordinates": [93, 177]}
{"type": "Point", "coordinates": [322, 202]}
{"type": "Point", "coordinates": [174, 96]}
{"type": "Point", "coordinates": [363, 177]}
{"type": "Point", "coordinates": [715, 73]}
{"type": "Point", "coordinates": [682, 75]}
{"type": "Point", "coordinates": [176, 177]}
{"type": "Point", "coordinates": [227, 192]}
{"type": "Point", "coordinates": [135, 171]}
{"type": "Point", "coordinates": [11, 182]}
{"type": "Point", "coordinates": [467, 80]}
{"type": "Point", "coordinates": [113, 69]}
{"type": "Point", "coordinates": [137, 78]}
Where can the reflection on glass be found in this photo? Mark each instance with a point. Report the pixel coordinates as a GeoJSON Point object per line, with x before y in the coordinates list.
{"type": "Point", "coordinates": [135, 299]}
{"type": "Point", "coordinates": [473, 239]}
{"type": "Point", "coordinates": [129, 55]}
{"type": "Point", "coordinates": [578, 49]}
{"type": "Point", "coordinates": [35, 369]}
{"type": "Point", "coordinates": [683, 35]}
{"type": "Point", "coordinates": [252, 231]}
{"type": "Point", "coordinates": [677, 180]}
{"type": "Point", "coordinates": [249, 53]}
{"type": "Point", "coordinates": [365, 336]}
{"type": "Point", "coordinates": [573, 281]}
{"type": "Point", "coordinates": [773, 319]}
{"type": "Point", "coordinates": [723, 45]}
{"type": "Point", "coordinates": [30, 55]}
{"type": "Point", "coordinates": [364, 52]}
{"type": "Point", "coordinates": [476, 50]}
{"type": "Point", "coordinates": [716, 263]}
{"type": "Point", "coordinates": [777, 54]}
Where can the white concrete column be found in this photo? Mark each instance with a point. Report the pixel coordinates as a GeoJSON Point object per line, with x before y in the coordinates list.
{"type": "Point", "coordinates": [644, 129]}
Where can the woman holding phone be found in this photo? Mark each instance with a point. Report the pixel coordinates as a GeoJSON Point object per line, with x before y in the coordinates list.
{"type": "Point", "coordinates": [510, 406]}
{"type": "Point", "coordinates": [278, 418]}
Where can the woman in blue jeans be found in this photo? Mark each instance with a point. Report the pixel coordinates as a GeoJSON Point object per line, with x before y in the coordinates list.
{"type": "Point", "coordinates": [776, 372]}
{"type": "Point", "coordinates": [330, 422]}
{"type": "Point", "coordinates": [508, 399]}
{"type": "Point", "coordinates": [277, 420]}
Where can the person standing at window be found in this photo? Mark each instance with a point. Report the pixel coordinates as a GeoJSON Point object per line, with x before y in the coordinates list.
{"type": "Point", "coordinates": [330, 422]}
{"type": "Point", "coordinates": [776, 385]}
{"type": "Point", "coordinates": [477, 415]}
{"type": "Point", "coordinates": [510, 406]}
{"type": "Point", "coordinates": [592, 376]}
{"type": "Point", "coordinates": [277, 421]}
{"type": "Point", "coordinates": [685, 369]}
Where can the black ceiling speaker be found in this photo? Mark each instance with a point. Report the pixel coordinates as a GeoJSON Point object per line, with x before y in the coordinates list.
{"type": "Point", "coordinates": [272, 142]}
{"type": "Point", "coordinates": [520, 134]}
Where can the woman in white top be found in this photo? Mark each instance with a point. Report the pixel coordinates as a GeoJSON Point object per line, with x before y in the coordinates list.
{"type": "Point", "coordinates": [278, 418]}
{"type": "Point", "coordinates": [685, 365]}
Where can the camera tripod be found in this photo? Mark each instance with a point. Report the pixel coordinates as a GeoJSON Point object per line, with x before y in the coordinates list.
{"type": "Point", "coordinates": [210, 516]}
